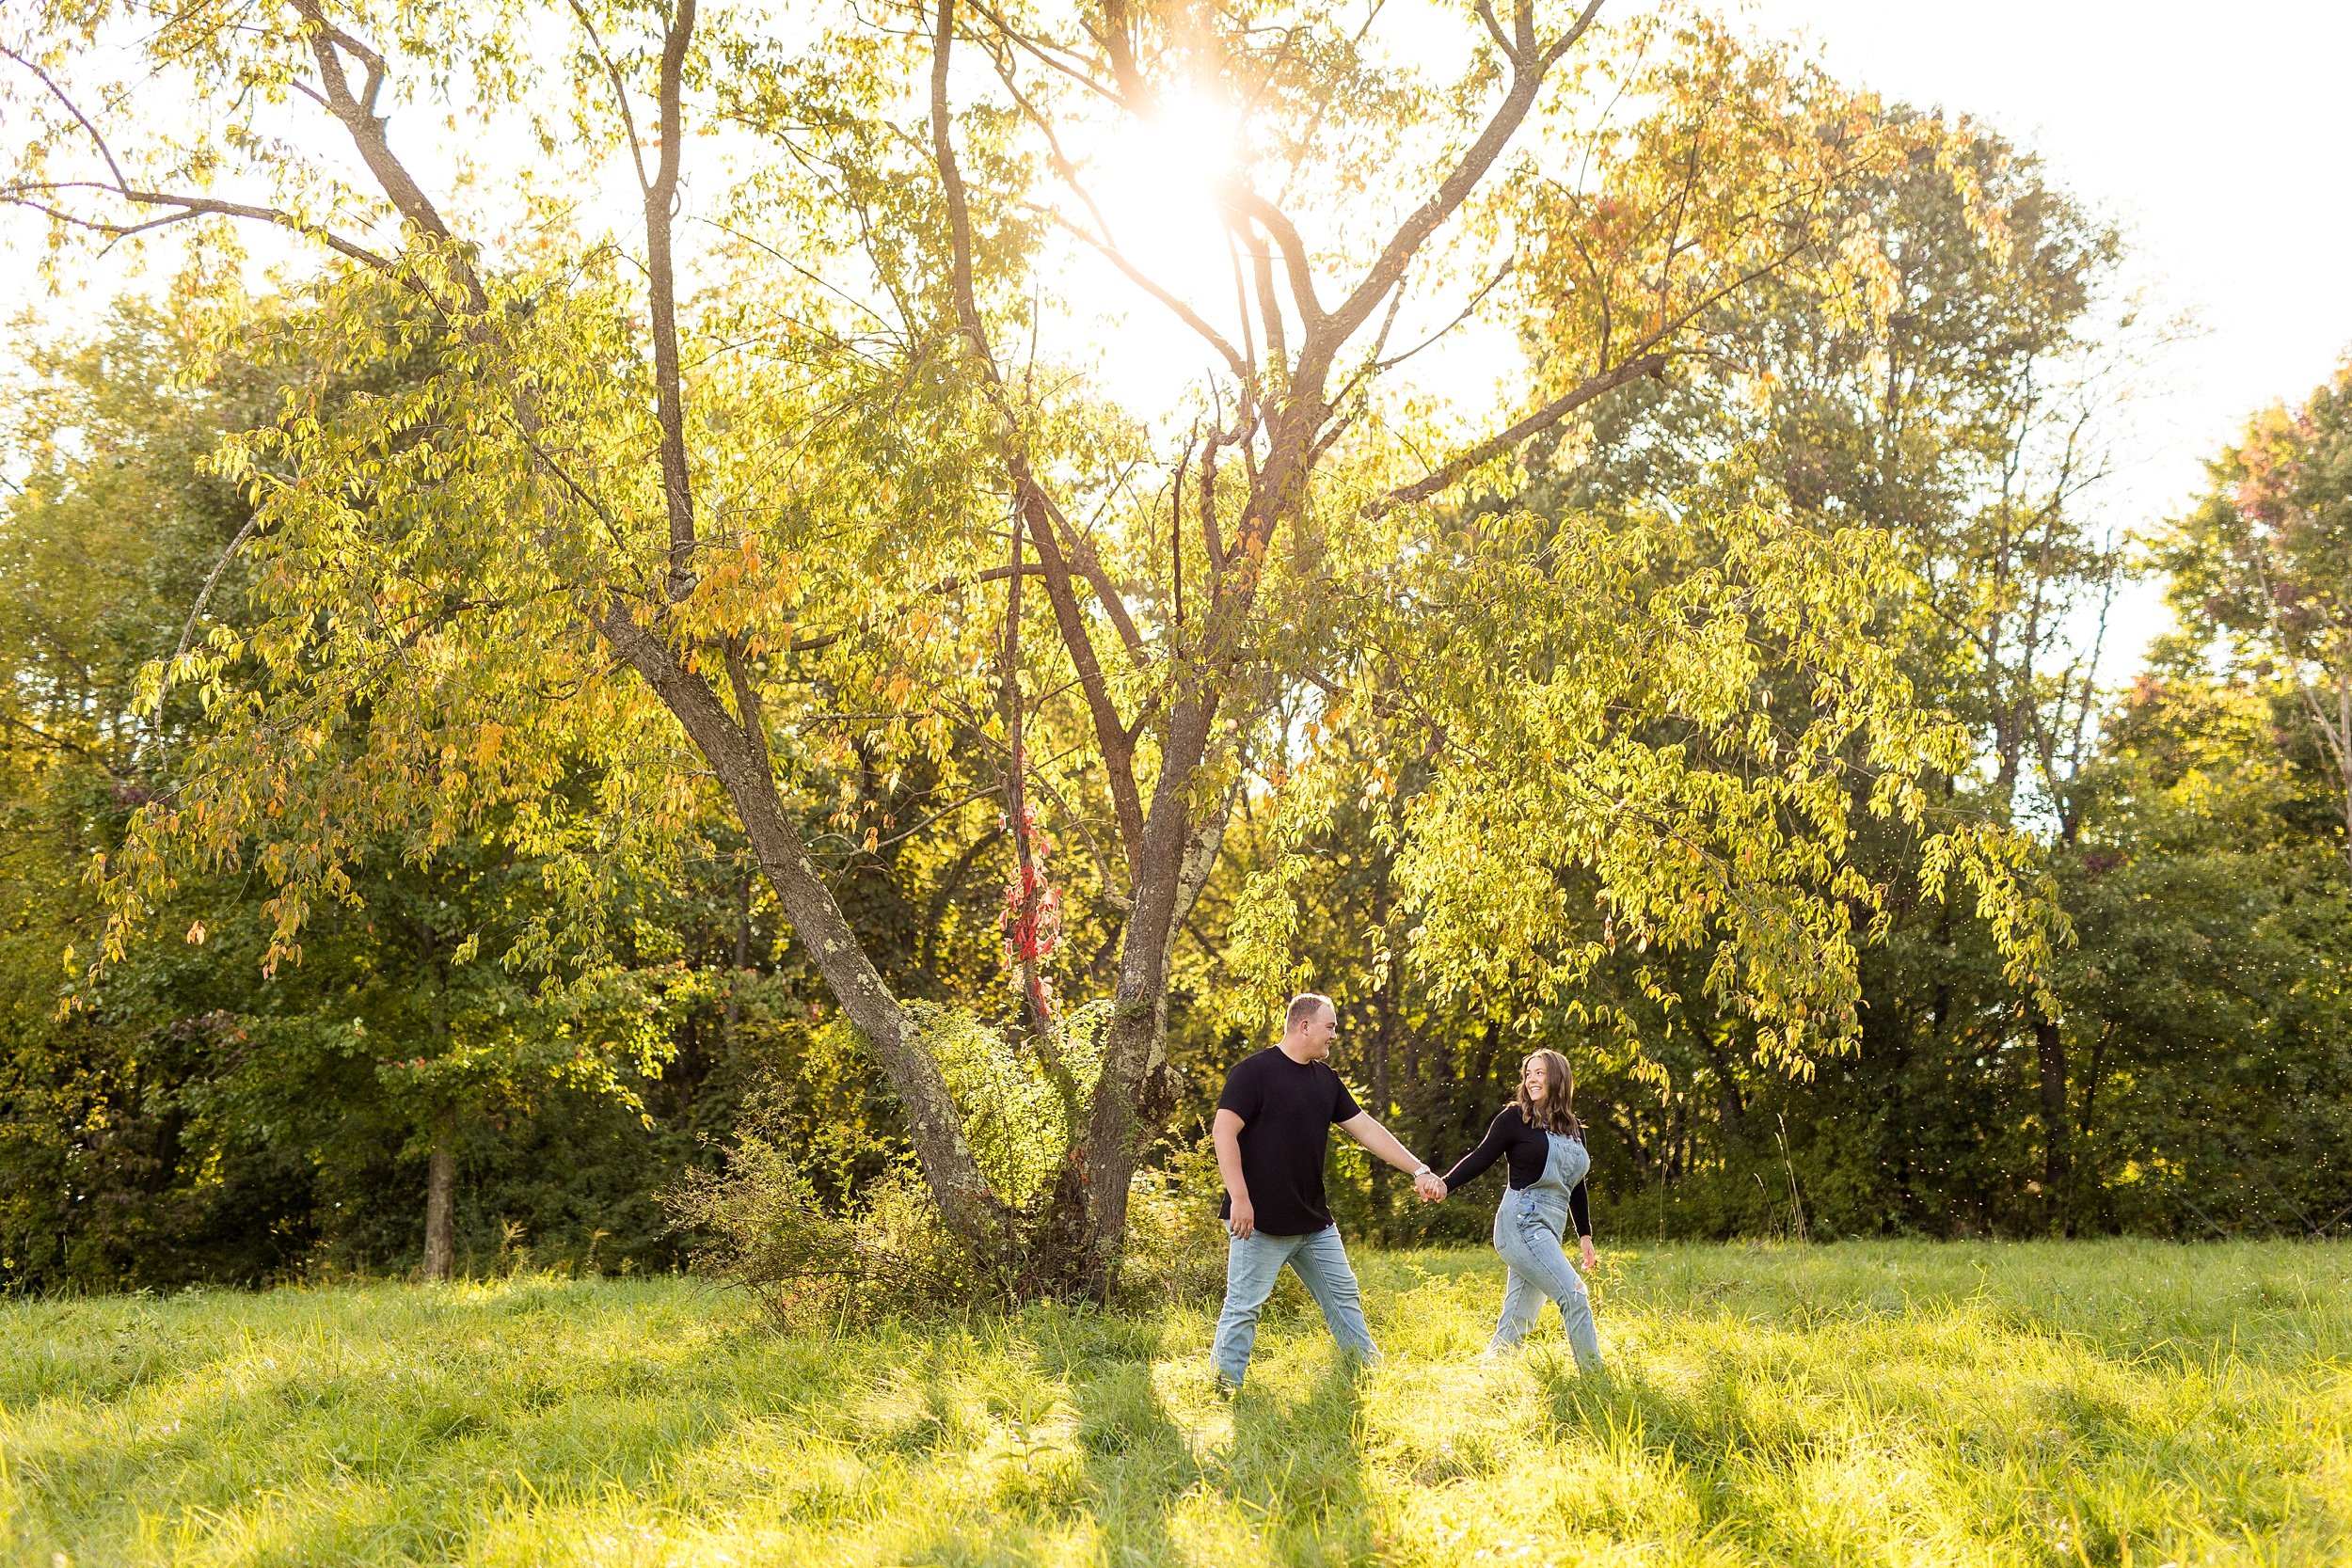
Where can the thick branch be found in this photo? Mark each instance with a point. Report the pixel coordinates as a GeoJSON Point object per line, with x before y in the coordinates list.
{"type": "Point", "coordinates": [1090, 565]}
{"type": "Point", "coordinates": [366, 129]}
{"type": "Point", "coordinates": [951, 186]}
{"type": "Point", "coordinates": [1269, 303]}
{"type": "Point", "coordinates": [670, 401]}
{"type": "Point", "coordinates": [1110, 734]}
{"type": "Point", "coordinates": [1543, 418]}
{"type": "Point", "coordinates": [1529, 67]}
{"type": "Point", "coordinates": [1120, 44]}
{"type": "Point", "coordinates": [737, 756]}
{"type": "Point", "coordinates": [1250, 204]}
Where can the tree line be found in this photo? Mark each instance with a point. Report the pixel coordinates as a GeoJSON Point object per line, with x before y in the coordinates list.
{"type": "Point", "coordinates": [526, 697]}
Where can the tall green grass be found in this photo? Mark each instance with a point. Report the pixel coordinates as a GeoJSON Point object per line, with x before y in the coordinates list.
{"type": "Point", "coordinates": [2104, 1402]}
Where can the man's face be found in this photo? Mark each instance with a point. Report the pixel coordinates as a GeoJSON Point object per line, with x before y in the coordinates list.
{"type": "Point", "coordinates": [1317, 1034]}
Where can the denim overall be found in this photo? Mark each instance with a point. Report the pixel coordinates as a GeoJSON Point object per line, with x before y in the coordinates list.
{"type": "Point", "coordinates": [1529, 1227]}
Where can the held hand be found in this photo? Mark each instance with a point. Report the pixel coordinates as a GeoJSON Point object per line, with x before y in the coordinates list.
{"type": "Point", "coordinates": [1244, 1220]}
{"type": "Point", "coordinates": [1430, 1187]}
{"type": "Point", "coordinates": [1589, 1260]}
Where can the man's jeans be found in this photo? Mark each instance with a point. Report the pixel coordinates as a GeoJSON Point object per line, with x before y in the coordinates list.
{"type": "Point", "coordinates": [1253, 1262]}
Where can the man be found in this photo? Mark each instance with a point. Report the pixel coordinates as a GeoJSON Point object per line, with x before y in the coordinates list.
{"type": "Point", "coordinates": [1273, 1124]}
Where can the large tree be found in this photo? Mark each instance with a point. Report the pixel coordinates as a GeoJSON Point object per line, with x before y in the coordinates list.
{"type": "Point", "coordinates": [792, 512]}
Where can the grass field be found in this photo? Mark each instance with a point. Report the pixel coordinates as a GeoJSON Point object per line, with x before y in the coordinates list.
{"type": "Point", "coordinates": [2101, 1402]}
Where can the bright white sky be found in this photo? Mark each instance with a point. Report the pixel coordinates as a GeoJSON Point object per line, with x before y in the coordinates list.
{"type": "Point", "coordinates": [2215, 133]}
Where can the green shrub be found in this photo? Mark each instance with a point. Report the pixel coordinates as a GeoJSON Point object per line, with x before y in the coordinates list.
{"type": "Point", "coordinates": [1175, 1243]}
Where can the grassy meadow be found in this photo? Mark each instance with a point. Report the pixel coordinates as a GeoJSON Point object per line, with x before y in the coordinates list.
{"type": "Point", "coordinates": [2092, 1402]}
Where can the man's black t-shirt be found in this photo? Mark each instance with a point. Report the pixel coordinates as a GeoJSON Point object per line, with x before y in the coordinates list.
{"type": "Point", "coordinates": [1287, 1110]}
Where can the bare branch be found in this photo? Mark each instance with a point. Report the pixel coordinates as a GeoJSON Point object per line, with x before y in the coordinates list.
{"type": "Point", "coordinates": [71, 107]}
{"type": "Point", "coordinates": [620, 90]}
{"type": "Point", "coordinates": [1528, 69]}
{"type": "Point", "coordinates": [212, 580]}
{"type": "Point", "coordinates": [1476, 301]}
{"type": "Point", "coordinates": [184, 208]}
{"type": "Point", "coordinates": [1134, 274]}
{"type": "Point", "coordinates": [661, 288]}
{"type": "Point", "coordinates": [1543, 418]}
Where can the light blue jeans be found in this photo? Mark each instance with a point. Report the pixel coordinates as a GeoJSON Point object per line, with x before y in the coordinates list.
{"type": "Point", "coordinates": [1253, 1262]}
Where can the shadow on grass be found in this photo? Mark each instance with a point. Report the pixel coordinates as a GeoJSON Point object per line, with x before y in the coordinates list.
{"type": "Point", "coordinates": [1137, 1460]}
{"type": "Point", "coordinates": [1291, 1472]}
{"type": "Point", "coordinates": [397, 1426]}
{"type": "Point", "coordinates": [1297, 1467]}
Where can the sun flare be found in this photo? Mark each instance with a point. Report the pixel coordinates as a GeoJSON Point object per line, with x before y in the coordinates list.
{"type": "Point", "coordinates": [1153, 183]}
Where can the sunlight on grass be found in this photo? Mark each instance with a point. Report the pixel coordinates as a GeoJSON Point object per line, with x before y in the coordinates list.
{"type": "Point", "coordinates": [2099, 1403]}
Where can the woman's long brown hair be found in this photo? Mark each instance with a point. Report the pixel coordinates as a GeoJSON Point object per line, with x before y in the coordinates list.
{"type": "Point", "coordinates": [1557, 1114]}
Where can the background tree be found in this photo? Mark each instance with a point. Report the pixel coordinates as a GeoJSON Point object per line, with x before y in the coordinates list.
{"type": "Point", "coordinates": [198, 1115]}
{"type": "Point", "coordinates": [2265, 560]}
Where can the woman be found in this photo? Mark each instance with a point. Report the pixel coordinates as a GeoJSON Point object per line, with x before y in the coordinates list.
{"type": "Point", "coordinates": [1547, 1161]}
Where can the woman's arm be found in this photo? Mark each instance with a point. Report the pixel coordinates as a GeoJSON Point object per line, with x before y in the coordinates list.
{"type": "Point", "coordinates": [1581, 1211]}
{"type": "Point", "coordinates": [1471, 1166]}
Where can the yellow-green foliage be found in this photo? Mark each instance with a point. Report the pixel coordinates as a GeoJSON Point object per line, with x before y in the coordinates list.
{"type": "Point", "coordinates": [1018, 1102]}
{"type": "Point", "coordinates": [1900, 1404]}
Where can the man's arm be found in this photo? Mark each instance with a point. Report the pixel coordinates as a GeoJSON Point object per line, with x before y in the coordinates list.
{"type": "Point", "coordinates": [1225, 1133]}
{"type": "Point", "coordinates": [1380, 1141]}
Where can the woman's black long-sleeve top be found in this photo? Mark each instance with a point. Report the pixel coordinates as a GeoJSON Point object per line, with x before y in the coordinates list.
{"type": "Point", "coordinates": [1529, 1149]}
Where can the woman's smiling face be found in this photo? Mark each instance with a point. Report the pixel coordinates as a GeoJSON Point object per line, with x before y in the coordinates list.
{"type": "Point", "coordinates": [1534, 1079]}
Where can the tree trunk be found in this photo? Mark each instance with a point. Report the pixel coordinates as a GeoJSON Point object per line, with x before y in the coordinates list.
{"type": "Point", "coordinates": [737, 753]}
{"type": "Point", "coordinates": [441, 1199]}
{"type": "Point", "coordinates": [1136, 1094]}
{"type": "Point", "coordinates": [2085, 1120]}
{"type": "Point", "coordinates": [1730, 1110]}
{"type": "Point", "coordinates": [743, 959]}
{"type": "Point", "coordinates": [1077, 1253]}
{"type": "Point", "coordinates": [2057, 1152]}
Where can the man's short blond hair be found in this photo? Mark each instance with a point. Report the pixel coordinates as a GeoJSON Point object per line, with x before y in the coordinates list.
{"type": "Point", "coordinates": [1304, 1006]}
